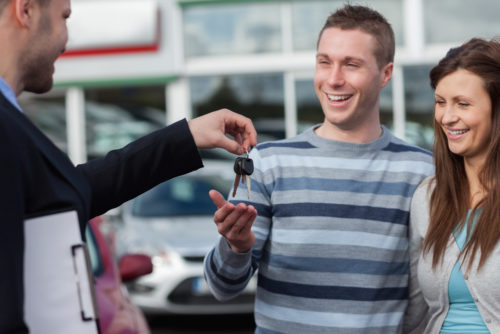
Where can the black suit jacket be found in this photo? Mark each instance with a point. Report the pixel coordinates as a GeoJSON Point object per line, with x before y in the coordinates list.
{"type": "Point", "coordinates": [36, 177]}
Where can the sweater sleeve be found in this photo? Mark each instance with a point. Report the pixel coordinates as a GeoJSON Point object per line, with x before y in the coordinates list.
{"type": "Point", "coordinates": [228, 272]}
{"type": "Point", "coordinates": [416, 312]}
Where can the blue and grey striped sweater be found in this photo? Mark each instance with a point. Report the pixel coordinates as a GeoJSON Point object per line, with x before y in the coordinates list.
{"type": "Point", "coordinates": [331, 235]}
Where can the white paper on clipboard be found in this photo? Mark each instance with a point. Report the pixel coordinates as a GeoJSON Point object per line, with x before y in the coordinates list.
{"type": "Point", "coordinates": [58, 284]}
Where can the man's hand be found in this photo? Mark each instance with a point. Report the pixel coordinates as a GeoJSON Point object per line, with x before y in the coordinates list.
{"type": "Point", "coordinates": [209, 131]}
{"type": "Point", "coordinates": [234, 222]}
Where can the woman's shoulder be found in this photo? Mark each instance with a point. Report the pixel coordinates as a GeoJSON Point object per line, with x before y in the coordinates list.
{"type": "Point", "coordinates": [424, 189]}
{"type": "Point", "coordinates": [419, 213]}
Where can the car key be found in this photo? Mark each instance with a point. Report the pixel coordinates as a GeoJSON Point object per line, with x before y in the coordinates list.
{"type": "Point", "coordinates": [243, 167]}
{"type": "Point", "coordinates": [247, 169]}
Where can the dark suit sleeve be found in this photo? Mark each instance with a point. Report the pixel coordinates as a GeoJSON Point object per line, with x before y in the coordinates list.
{"type": "Point", "coordinates": [125, 173]}
{"type": "Point", "coordinates": [12, 234]}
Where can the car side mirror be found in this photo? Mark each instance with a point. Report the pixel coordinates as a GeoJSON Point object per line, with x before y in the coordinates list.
{"type": "Point", "coordinates": [133, 266]}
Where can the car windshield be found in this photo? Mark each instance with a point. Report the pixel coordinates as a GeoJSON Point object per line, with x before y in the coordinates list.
{"type": "Point", "coordinates": [180, 196]}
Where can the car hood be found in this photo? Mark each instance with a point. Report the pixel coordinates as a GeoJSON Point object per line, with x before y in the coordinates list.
{"type": "Point", "coordinates": [187, 235]}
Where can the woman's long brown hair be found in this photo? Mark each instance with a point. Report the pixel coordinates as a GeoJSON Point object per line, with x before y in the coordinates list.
{"type": "Point", "coordinates": [450, 198]}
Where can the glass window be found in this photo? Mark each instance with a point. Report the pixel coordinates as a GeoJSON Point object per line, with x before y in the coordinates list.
{"type": "Point", "coordinates": [259, 97]}
{"type": "Point", "coordinates": [310, 16]}
{"type": "Point", "coordinates": [117, 116]}
{"type": "Point", "coordinates": [229, 29]}
{"type": "Point", "coordinates": [48, 113]}
{"type": "Point", "coordinates": [452, 21]}
{"type": "Point", "coordinates": [419, 99]}
{"type": "Point", "coordinates": [308, 106]}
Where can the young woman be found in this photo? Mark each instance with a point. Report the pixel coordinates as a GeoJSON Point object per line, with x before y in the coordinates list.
{"type": "Point", "coordinates": [455, 215]}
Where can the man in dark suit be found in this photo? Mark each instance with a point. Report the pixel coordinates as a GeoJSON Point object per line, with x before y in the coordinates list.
{"type": "Point", "coordinates": [37, 178]}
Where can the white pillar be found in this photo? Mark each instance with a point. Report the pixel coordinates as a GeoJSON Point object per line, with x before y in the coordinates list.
{"type": "Point", "coordinates": [413, 19]}
{"type": "Point", "coordinates": [288, 78]}
{"type": "Point", "coordinates": [178, 100]}
{"type": "Point", "coordinates": [75, 125]}
{"type": "Point", "coordinates": [398, 96]}
{"type": "Point", "coordinates": [290, 105]}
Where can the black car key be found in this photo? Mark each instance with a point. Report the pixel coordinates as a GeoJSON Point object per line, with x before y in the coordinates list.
{"type": "Point", "coordinates": [243, 167]}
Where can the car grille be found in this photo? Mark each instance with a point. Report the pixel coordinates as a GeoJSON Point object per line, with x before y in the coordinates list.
{"type": "Point", "coordinates": [183, 295]}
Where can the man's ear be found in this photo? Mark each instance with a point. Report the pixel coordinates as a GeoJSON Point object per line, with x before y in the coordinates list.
{"type": "Point", "coordinates": [386, 74]}
{"type": "Point", "coordinates": [23, 12]}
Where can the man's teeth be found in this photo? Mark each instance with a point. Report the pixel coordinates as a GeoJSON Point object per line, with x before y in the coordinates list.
{"type": "Point", "coordinates": [456, 132]}
{"type": "Point", "coordinates": [338, 97]}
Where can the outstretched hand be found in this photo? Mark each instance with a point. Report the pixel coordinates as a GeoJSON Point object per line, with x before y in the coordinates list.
{"type": "Point", "coordinates": [234, 222]}
{"type": "Point", "coordinates": [209, 131]}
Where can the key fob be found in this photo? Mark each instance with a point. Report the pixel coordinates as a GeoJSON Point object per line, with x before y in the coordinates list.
{"type": "Point", "coordinates": [238, 166]}
{"type": "Point", "coordinates": [243, 166]}
{"type": "Point", "coordinates": [247, 166]}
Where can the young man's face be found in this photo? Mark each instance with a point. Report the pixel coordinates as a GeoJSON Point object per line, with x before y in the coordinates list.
{"type": "Point", "coordinates": [348, 80]}
{"type": "Point", "coordinates": [48, 41]}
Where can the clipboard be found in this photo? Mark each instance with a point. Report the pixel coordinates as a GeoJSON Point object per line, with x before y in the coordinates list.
{"type": "Point", "coordinates": [58, 283]}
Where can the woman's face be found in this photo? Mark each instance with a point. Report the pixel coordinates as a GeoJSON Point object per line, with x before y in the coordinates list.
{"type": "Point", "coordinates": [463, 109]}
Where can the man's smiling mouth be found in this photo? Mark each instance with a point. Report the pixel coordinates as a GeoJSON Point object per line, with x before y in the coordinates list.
{"type": "Point", "coordinates": [338, 98]}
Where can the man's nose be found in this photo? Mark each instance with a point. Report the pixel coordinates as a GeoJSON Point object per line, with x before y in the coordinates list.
{"type": "Point", "coordinates": [336, 77]}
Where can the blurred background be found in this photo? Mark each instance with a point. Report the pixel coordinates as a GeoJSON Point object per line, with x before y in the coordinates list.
{"type": "Point", "coordinates": [133, 66]}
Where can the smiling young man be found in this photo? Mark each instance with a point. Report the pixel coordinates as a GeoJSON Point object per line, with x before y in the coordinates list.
{"type": "Point", "coordinates": [348, 81]}
{"type": "Point", "coordinates": [36, 178]}
{"type": "Point", "coordinates": [326, 226]}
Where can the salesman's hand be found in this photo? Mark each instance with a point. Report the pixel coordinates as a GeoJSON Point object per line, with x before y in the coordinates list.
{"type": "Point", "coordinates": [209, 131]}
{"type": "Point", "coordinates": [234, 222]}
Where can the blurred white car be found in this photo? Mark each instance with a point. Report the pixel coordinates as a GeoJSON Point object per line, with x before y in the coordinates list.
{"type": "Point", "coordinates": [173, 223]}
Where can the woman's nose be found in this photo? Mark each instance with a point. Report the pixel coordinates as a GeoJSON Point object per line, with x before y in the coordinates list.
{"type": "Point", "coordinates": [449, 115]}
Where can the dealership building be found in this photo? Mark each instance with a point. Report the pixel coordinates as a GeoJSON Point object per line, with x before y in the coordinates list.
{"type": "Point", "coordinates": [133, 66]}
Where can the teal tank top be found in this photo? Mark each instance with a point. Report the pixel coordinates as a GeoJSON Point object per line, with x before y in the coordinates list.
{"type": "Point", "coordinates": [463, 315]}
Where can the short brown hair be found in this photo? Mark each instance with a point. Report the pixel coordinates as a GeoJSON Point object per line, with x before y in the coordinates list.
{"type": "Point", "coordinates": [369, 21]}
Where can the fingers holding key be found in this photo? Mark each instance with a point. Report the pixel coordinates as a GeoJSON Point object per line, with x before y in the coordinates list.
{"type": "Point", "coordinates": [210, 131]}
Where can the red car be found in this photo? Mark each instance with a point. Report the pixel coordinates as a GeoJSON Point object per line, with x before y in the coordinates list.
{"type": "Point", "coordinates": [117, 315]}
